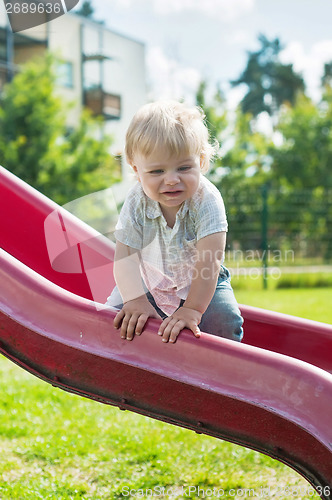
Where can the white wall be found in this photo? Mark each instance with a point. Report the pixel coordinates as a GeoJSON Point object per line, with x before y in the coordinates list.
{"type": "Point", "coordinates": [3, 15]}
{"type": "Point", "coordinates": [124, 74]}
{"type": "Point", "coordinates": [64, 41]}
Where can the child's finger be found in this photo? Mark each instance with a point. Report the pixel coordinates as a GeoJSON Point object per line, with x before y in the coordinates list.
{"type": "Point", "coordinates": [118, 319]}
{"type": "Point", "coordinates": [124, 326]}
{"type": "Point", "coordinates": [164, 325]}
{"type": "Point", "coordinates": [196, 331]}
{"type": "Point", "coordinates": [177, 328]}
{"type": "Point", "coordinates": [135, 325]}
{"type": "Point", "coordinates": [141, 323]}
{"type": "Point", "coordinates": [172, 330]}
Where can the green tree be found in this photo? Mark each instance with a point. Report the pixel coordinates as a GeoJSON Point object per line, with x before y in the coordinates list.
{"type": "Point", "coordinates": [86, 9]}
{"type": "Point", "coordinates": [36, 145]}
{"type": "Point", "coordinates": [327, 76]}
{"type": "Point", "coordinates": [302, 167]}
{"type": "Point", "coordinates": [304, 158]}
{"type": "Point", "coordinates": [296, 168]}
{"type": "Point", "coordinates": [215, 112]}
{"type": "Point", "coordinates": [240, 170]}
{"type": "Point", "coordinates": [270, 83]}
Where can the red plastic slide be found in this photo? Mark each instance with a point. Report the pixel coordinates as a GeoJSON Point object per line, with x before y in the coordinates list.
{"type": "Point", "coordinates": [272, 393]}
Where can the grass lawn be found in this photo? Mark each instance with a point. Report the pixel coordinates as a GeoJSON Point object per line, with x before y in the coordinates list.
{"type": "Point", "coordinates": [60, 446]}
{"type": "Point", "coordinates": [309, 303]}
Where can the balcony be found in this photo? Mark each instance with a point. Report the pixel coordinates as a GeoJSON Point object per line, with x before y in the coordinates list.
{"type": "Point", "coordinates": [102, 103]}
{"type": "Point", "coordinates": [15, 50]}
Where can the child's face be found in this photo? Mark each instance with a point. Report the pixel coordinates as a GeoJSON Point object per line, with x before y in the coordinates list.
{"type": "Point", "coordinates": [168, 180]}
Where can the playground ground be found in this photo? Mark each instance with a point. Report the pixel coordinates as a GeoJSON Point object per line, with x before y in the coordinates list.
{"type": "Point", "coordinates": [60, 446]}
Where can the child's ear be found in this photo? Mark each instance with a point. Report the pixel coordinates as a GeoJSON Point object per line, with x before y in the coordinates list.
{"type": "Point", "coordinates": [135, 169]}
{"type": "Point", "coordinates": [204, 163]}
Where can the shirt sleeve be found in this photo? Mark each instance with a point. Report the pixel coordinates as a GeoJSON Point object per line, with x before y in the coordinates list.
{"type": "Point", "coordinates": [129, 228]}
{"type": "Point", "coordinates": [211, 216]}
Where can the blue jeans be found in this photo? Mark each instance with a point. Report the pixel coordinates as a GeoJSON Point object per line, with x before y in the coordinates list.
{"type": "Point", "coordinates": [222, 317]}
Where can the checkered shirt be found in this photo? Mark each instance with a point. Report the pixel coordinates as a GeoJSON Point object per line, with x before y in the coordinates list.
{"type": "Point", "coordinates": [167, 255]}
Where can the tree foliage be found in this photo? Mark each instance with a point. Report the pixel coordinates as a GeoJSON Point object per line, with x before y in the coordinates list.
{"type": "Point", "coordinates": [294, 162]}
{"type": "Point", "coordinates": [86, 9]}
{"type": "Point", "coordinates": [215, 112]}
{"type": "Point", "coordinates": [304, 158]}
{"type": "Point", "coordinates": [270, 83]}
{"type": "Point", "coordinates": [327, 76]}
{"type": "Point", "coordinates": [36, 145]}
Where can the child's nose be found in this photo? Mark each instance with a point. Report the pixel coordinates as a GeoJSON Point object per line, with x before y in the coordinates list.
{"type": "Point", "coordinates": [172, 178]}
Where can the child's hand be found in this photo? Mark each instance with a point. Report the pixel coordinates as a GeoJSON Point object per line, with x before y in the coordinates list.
{"type": "Point", "coordinates": [133, 316]}
{"type": "Point", "coordinates": [182, 318]}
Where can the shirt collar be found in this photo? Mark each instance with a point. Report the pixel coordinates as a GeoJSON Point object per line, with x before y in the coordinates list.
{"type": "Point", "coordinates": [153, 210]}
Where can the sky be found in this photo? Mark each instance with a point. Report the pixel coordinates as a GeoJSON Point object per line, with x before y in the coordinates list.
{"type": "Point", "coordinates": [190, 40]}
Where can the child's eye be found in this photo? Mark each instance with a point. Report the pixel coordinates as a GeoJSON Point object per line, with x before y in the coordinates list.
{"type": "Point", "coordinates": [156, 172]}
{"type": "Point", "coordinates": [184, 168]}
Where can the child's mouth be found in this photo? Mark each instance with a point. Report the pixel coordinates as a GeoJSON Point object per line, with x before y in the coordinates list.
{"type": "Point", "coordinates": [172, 193]}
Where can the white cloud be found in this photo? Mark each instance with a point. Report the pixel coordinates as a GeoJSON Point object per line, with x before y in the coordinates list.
{"type": "Point", "coordinates": [168, 78]}
{"type": "Point", "coordinates": [235, 95]}
{"type": "Point", "coordinates": [228, 10]}
{"type": "Point", "coordinates": [239, 37]}
{"type": "Point", "coordinates": [309, 62]}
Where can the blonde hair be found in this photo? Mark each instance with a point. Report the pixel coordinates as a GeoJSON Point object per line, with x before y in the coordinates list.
{"type": "Point", "coordinates": [169, 125]}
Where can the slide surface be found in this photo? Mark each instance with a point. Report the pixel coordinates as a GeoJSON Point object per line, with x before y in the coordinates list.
{"type": "Point", "coordinates": [272, 393]}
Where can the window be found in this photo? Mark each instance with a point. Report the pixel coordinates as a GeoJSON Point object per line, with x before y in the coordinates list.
{"type": "Point", "coordinates": [65, 74]}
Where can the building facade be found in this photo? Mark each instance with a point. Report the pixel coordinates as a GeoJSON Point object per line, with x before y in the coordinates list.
{"type": "Point", "coordinates": [100, 69]}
